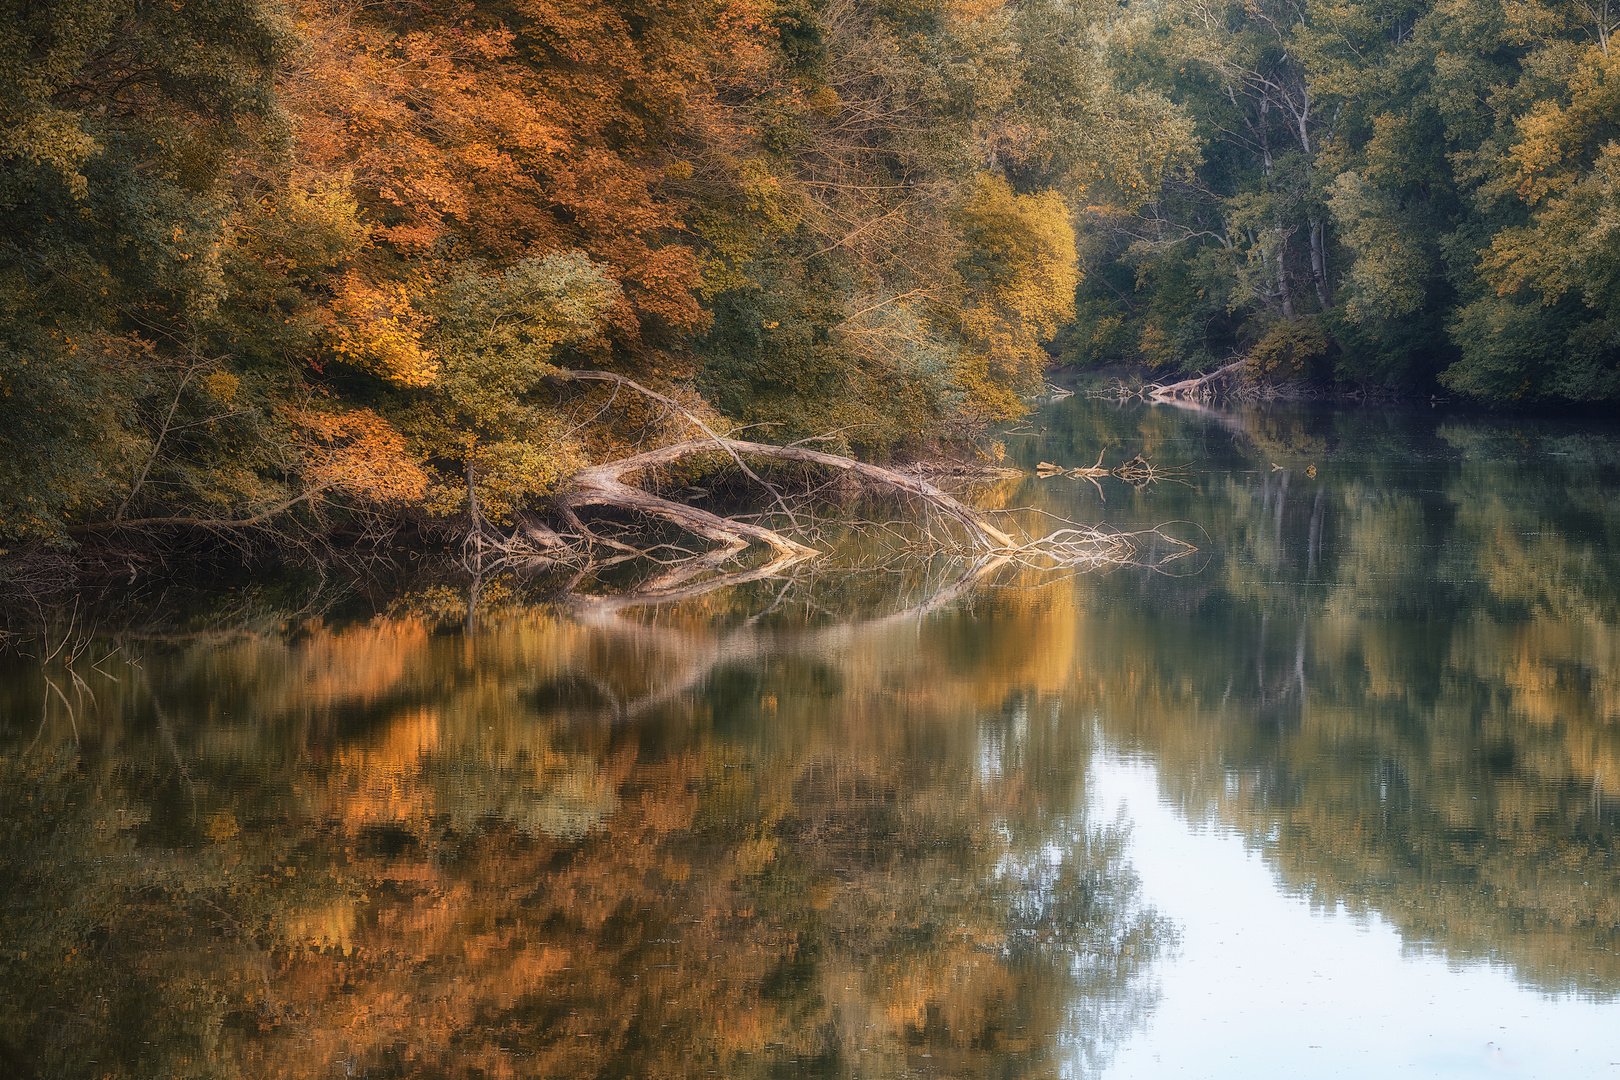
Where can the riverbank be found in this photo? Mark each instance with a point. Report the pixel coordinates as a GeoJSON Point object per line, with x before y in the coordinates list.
{"type": "Point", "coordinates": [1128, 381]}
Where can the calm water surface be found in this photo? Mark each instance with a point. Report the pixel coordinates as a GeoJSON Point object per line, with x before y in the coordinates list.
{"type": "Point", "coordinates": [1338, 796]}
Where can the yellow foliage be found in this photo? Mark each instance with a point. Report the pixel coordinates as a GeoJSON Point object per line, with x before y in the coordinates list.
{"type": "Point", "coordinates": [1288, 348]}
{"type": "Point", "coordinates": [1155, 345]}
{"type": "Point", "coordinates": [1021, 275]}
{"type": "Point", "coordinates": [1571, 179]}
{"type": "Point", "coordinates": [379, 330]}
{"type": "Point", "coordinates": [221, 385]}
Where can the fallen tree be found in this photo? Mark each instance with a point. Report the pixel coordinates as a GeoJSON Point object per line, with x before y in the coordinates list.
{"type": "Point", "coordinates": [1065, 544]}
{"type": "Point", "coordinates": [1197, 387]}
{"type": "Point", "coordinates": [603, 485]}
{"type": "Point", "coordinates": [629, 489]}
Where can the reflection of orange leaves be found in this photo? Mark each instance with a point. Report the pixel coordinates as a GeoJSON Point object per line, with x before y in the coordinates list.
{"type": "Point", "coordinates": [359, 453]}
{"type": "Point", "coordinates": [668, 802]}
{"type": "Point", "coordinates": [971, 11]}
{"type": "Point", "coordinates": [330, 925]}
{"type": "Point", "coordinates": [356, 664]}
{"type": "Point", "coordinates": [381, 784]}
{"type": "Point", "coordinates": [532, 967]}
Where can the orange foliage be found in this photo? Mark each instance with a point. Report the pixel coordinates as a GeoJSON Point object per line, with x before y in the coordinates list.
{"type": "Point", "coordinates": [546, 131]}
{"type": "Point", "coordinates": [360, 454]}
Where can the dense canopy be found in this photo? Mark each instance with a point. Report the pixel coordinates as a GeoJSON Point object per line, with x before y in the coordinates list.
{"type": "Point", "coordinates": [1405, 193]}
{"type": "Point", "coordinates": [321, 257]}
{"type": "Point", "coordinates": [324, 258]}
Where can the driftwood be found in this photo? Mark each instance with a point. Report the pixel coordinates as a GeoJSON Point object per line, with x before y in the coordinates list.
{"type": "Point", "coordinates": [1047, 469]}
{"type": "Point", "coordinates": [1199, 386]}
{"type": "Point", "coordinates": [685, 574]}
{"type": "Point", "coordinates": [603, 485]}
{"type": "Point", "coordinates": [1138, 471]}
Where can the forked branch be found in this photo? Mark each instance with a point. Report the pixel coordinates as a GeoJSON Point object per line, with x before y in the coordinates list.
{"type": "Point", "coordinates": [603, 485]}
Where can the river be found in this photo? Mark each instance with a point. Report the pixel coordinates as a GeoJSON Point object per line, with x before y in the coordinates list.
{"type": "Point", "coordinates": [1338, 794]}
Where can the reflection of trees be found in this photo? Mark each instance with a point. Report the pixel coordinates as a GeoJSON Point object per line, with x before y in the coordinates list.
{"type": "Point", "coordinates": [407, 852]}
{"type": "Point", "coordinates": [1401, 679]}
{"type": "Point", "coordinates": [747, 833]}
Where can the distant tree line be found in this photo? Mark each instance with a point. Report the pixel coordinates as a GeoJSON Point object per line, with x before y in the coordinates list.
{"type": "Point", "coordinates": [1415, 192]}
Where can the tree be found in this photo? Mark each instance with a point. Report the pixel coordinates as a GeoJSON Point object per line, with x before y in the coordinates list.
{"type": "Point", "coordinates": [119, 125]}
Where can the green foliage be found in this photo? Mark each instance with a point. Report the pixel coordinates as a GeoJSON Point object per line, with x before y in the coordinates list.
{"type": "Point", "coordinates": [1517, 349]}
{"type": "Point", "coordinates": [1185, 313]}
{"type": "Point", "coordinates": [60, 403]}
{"type": "Point", "coordinates": [118, 124]}
{"type": "Point", "coordinates": [1097, 334]}
{"type": "Point", "coordinates": [481, 420]}
{"type": "Point", "coordinates": [790, 354]}
{"type": "Point", "coordinates": [1415, 176]}
{"type": "Point", "coordinates": [1390, 273]}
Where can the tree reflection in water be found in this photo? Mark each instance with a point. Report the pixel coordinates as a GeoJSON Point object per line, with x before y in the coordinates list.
{"type": "Point", "coordinates": [1400, 678]}
{"type": "Point", "coordinates": [768, 832]}
{"type": "Point", "coordinates": [643, 847]}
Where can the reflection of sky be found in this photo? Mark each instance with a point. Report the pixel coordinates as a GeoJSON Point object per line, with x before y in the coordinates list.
{"type": "Point", "coordinates": [1263, 986]}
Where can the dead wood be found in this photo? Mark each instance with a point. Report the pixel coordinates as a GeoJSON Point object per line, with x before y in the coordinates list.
{"type": "Point", "coordinates": [1198, 386]}
{"type": "Point", "coordinates": [603, 485]}
{"type": "Point", "coordinates": [671, 403]}
{"type": "Point", "coordinates": [1071, 545]}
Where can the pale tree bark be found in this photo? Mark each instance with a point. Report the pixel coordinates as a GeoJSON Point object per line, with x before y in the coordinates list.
{"type": "Point", "coordinates": [603, 485]}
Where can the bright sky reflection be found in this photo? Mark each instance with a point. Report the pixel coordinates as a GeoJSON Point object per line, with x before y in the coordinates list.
{"type": "Point", "coordinates": [1263, 986]}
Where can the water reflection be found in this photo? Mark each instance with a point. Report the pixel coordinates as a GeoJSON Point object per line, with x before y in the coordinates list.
{"type": "Point", "coordinates": [1400, 679]}
{"type": "Point", "coordinates": [844, 824]}
{"type": "Point", "coordinates": [408, 851]}
{"type": "Point", "coordinates": [1268, 984]}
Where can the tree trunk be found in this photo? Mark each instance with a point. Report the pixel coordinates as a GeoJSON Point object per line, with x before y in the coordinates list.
{"type": "Point", "coordinates": [1319, 266]}
{"type": "Point", "coordinates": [1282, 274]}
{"type": "Point", "coordinates": [603, 485]}
{"type": "Point", "coordinates": [1188, 388]}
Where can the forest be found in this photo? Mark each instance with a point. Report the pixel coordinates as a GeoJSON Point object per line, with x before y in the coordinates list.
{"type": "Point", "coordinates": [334, 262]}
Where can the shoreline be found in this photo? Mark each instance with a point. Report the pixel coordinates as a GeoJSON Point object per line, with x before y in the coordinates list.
{"type": "Point", "coordinates": [1106, 382]}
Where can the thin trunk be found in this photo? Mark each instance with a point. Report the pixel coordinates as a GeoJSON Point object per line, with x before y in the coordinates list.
{"type": "Point", "coordinates": [1282, 276]}
{"type": "Point", "coordinates": [476, 525]}
{"type": "Point", "coordinates": [1319, 266]}
{"type": "Point", "coordinates": [1265, 140]}
{"type": "Point", "coordinates": [157, 444]}
{"type": "Point", "coordinates": [1303, 119]}
{"type": "Point", "coordinates": [473, 513]}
